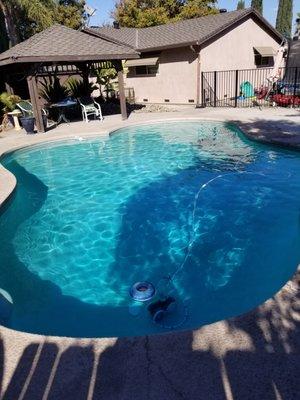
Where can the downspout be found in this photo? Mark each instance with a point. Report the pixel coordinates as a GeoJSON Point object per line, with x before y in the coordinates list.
{"type": "Point", "coordinates": [197, 50]}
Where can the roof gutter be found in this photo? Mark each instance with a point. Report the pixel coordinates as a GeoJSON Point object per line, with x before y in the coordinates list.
{"type": "Point", "coordinates": [67, 59]}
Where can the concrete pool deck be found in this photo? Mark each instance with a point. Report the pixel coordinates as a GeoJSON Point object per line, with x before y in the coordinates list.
{"type": "Point", "coordinates": [254, 356]}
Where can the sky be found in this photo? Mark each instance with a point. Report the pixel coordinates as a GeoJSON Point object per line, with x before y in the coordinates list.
{"type": "Point", "coordinates": [104, 8]}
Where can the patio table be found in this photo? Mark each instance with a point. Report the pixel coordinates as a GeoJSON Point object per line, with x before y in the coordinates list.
{"type": "Point", "coordinates": [62, 106]}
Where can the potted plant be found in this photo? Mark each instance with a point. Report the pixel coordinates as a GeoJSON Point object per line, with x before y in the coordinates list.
{"type": "Point", "coordinates": [9, 102]}
{"type": "Point", "coordinates": [28, 123]}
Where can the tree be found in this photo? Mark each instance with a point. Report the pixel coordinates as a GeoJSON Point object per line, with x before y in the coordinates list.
{"type": "Point", "coordinates": [258, 5]}
{"type": "Point", "coordinates": [105, 77]}
{"type": "Point", "coordinates": [197, 8]}
{"type": "Point", "coordinates": [24, 18]}
{"type": "Point", "coordinates": [70, 13]}
{"type": "Point", "coordinates": [32, 16]}
{"type": "Point", "coordinates": [240, 5]}
{"type": "Point", "coordinates": [7, 9]}
{"type": "Point", "coordinates": [143, 13]}
{"type": "Point", "coordinates": [3, 34]}
{"type": "Point", "coordinates": [284, 18]}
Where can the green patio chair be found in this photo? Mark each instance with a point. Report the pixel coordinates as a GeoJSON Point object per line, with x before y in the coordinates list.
{"type": "Point", "coordinates": [26, 107]}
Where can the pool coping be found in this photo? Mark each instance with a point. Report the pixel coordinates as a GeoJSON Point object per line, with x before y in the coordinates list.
{"type": "Point", "coordinates": [214, 335]}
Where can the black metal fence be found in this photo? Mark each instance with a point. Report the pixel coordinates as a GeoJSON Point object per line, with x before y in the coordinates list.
{"type": "Point", "coordinates": [251, 87]}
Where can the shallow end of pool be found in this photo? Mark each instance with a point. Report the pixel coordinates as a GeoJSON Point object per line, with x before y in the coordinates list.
{"type": "Point", "coordinates": [276, 303]}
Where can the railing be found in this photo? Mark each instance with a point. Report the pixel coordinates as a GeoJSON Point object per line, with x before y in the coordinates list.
{"type": "Point", "coordinates": [251, 87]}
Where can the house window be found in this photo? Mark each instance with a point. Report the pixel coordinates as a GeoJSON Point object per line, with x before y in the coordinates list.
{"type": "Point", "coordinates": [143, 70]}
{"type": "Point", "coordinates": [147, 65]}
{"type": "Point", "coordinates": [264, 61]}
{"type": "Point", "coordinates": [264, 56]}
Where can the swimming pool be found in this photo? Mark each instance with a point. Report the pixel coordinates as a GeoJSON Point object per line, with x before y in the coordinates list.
{"type": "Point", "coordinates": [194, 208]}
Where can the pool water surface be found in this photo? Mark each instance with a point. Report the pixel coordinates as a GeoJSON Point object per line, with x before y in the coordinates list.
{"type": "Point", "coordinates": [206, 216]}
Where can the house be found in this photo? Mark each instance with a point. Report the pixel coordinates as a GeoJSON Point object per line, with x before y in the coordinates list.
{"type": "Point", "coordinates": [174, 55]}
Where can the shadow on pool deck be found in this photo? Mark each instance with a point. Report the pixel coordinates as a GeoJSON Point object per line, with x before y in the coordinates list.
{"type": "Point", "coordinates": [254, 357]}
{"type": "Point", "coordinates": [278, 132]}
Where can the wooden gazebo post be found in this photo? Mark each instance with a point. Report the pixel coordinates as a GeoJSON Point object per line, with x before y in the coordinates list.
{"type": "Point", "coordinates": [36, 106]}
{"type": "Point", "coordinates": [119, 68]}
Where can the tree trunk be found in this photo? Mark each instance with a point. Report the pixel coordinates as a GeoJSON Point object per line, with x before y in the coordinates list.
{"type": "Point", "coordinates": [285, 17]}
{"type": "Point", "coordinates": [9, 23]}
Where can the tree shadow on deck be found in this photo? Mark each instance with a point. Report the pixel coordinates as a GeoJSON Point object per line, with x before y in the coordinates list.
{"type": "Point", "coordinates": [277, 132]}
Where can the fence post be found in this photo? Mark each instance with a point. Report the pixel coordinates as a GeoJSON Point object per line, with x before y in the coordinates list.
{"type": "Point", "coordinates": [202, 91]}
{"type": "Point", "coordinates": [236, 87]}
{"type": "Point", "coordinates": [295, 85]}
{"type": "Point", "coordinates": [215, 88]}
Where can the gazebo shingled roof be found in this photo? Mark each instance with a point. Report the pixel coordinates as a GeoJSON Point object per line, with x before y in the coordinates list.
{"type": "Point", "coordinates": [60, 45]}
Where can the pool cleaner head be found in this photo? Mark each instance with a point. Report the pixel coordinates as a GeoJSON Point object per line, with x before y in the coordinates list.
{"type": "Point", "coordinates": [159, 308]}
{"type": "Point", "coordinates": [142, 291]}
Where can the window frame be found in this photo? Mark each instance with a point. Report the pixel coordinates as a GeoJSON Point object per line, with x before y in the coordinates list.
{"type": "Point", "coordinates": [261, 61]}
{"type": "Point", "coordinates": [132, 71]}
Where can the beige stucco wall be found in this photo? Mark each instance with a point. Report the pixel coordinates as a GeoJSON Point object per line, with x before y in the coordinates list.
{"type": "Point", "coordinates": [176, 79]}
{"type": "Point", "coordinates": [235, 49]}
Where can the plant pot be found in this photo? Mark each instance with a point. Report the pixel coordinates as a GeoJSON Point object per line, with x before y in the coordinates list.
{"type": "Point", "coordinates": [28, 124]}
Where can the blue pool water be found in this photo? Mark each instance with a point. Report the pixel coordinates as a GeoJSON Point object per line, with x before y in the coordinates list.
{"type": "Point", "coordinates": [195, 202]}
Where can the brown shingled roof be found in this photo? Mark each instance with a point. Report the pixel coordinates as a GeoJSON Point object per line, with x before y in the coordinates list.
{"type": "Point", "coordinates": [59, 43]}
{"type": "Point", "coordinates": [181, 33]}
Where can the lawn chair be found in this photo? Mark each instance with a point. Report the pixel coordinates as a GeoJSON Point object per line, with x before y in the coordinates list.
{"type": "Point", "coordinates": [26, 107]}
{"type": "Point", "coordinates": [90, 107]}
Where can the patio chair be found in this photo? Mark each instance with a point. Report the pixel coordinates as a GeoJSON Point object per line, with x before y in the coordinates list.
{"type": "Point", "coordinates": [90, 107]}
{"type": "Point", "coordinates": [27, 110]}
{"type": "Point", "coordinates": [26, 107]}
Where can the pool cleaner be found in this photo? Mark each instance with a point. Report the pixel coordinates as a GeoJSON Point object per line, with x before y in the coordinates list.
{"type": "Point", "coordinates": [160, 308]}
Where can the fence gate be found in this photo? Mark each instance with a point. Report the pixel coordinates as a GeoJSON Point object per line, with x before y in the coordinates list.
{"type": "Point", "coordinates": [250, 87]}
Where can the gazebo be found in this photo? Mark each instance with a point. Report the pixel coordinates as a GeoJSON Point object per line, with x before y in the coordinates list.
{"type": "Point", "coordinates": [62, 49]}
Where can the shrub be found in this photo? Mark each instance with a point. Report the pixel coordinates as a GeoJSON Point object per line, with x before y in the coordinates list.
{"type": "Point", "coordinates": [53, 91]}
{"type": "Point", "coordinates": [9, 101]}
{"type": "Point", "coordinates": [78, 88]}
